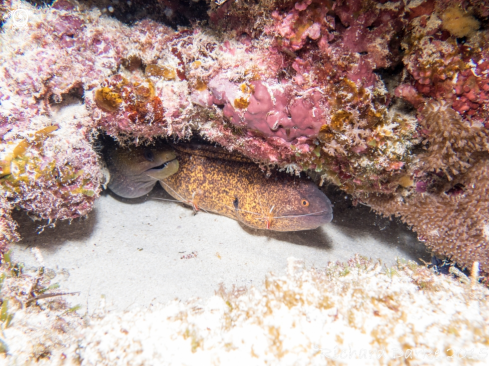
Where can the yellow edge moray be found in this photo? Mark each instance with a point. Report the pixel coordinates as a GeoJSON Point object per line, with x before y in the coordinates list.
{"type": "Point", "coordinates": [211, 179]}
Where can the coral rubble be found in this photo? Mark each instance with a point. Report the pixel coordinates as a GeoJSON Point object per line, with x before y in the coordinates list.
{"type": "Point", "coordinates": [31, 301]}
{"type": "Point", "coordinates": [8, 227]}
{"type": "Point", "coordinates": [388, 100]}
{"type": "Point", "coordinates": [345, 313]}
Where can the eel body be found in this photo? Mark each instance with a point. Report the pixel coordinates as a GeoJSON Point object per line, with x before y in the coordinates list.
{"type": "Point", "coordinates": [214, 180]}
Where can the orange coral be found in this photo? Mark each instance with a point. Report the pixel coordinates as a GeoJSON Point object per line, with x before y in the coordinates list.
{"type": "Point", "coordinates": [21, 148]}
{"type": "Point", "coordinates": [107, 99]}
{"type": "Point", "coordinates": [133, 101]}
{"type": "Point", "coordinates": [364, 147]}
{"type": "Point", "coordinates": [166, 73]}
{"type": "Point", "coordinates": [241, 103]}
{"type": "Point", "coordinates": [459, 23]}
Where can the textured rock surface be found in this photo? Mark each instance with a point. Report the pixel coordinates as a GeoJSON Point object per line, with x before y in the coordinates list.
{"type": "Point", "coordinates": [349, 313]}
{"type": "Point", "coordinates": [350, 90]}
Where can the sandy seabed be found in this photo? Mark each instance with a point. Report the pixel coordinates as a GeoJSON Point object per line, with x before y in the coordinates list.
{"type": "Point", "coordinates": [143, 251]}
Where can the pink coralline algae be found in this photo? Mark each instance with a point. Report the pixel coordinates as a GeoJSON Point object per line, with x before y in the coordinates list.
{"type": "Point", "coordinates": [284, 116]}
{"type": "Point", "coordinates": [445, 70]}
{"type": "Point", "coordinates": [353, 90]}
{"type": "Point", "coordinates": [352, 36]}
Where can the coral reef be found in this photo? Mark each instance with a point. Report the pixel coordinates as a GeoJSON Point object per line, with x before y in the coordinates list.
{"type": "Point", "coordinates": [348, 313]}
{"type": "Point", "coordinates": [442, 68]}
{"type": "Point", "coordinates": [52, 172]}
{"type": "Point", "coordinates": [387, 100]}
{"type": "Point", "coordinates": [453, 145]}
{"type": "Point", "coordinates": [458, 22]}
{"type": "Point", "coordinates": [454, 223]}
{"type": "Point", "coordinates": [8, 227]}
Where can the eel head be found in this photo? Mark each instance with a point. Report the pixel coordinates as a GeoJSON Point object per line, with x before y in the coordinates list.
{"type": "Point", "coordinates": [134, 171]}
{"type": "Point", "coordinates": [286, 203]}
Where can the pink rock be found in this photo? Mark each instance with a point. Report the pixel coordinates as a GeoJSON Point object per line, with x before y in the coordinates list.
{"type": "Point", "coordinates": [304, 148]}
{"type": "Point", "coordinates": [362, 72]}
{"type": "Point", "coordinates": [314, 31]}
{"type": "Point", "coordinates": [63, 5]}
{"type": "Point", "coordinates": [303, 5]}
{"type": "Point", "coordinates": [424, 8]}
{"type": "Point", "coordinates": [203, 98]}
{"type": "Point", "coordinates": [354, 39]}
{"type": "Point", "coordinates": [395, 166]}
{"type": "Point", "coordinates": [359, 149]}
{"type": "Point", "coordinates": [421, 186]}
{"type": "Point", "coordinates": [223, 91]}
{"type": "Point", "coordinates": [282, 116]}
{"type": "Point", "coordinates": [409, 93]}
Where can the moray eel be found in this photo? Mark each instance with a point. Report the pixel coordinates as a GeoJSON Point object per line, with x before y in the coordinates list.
{"type": "Point", "coordinates": [211, 179]}
{"type": "Point", "coordinates": [135, 171]}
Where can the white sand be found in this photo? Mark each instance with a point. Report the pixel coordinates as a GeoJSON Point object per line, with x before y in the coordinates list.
{"type": "Point", "coordinates": [131, 250]}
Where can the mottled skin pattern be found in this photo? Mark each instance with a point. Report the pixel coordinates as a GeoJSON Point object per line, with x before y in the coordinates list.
{"type": "Point", "coordinates": [213, 180]}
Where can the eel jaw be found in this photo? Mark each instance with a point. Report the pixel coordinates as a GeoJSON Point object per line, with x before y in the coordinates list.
{"type": "Point", "coordinates": [164, 170]}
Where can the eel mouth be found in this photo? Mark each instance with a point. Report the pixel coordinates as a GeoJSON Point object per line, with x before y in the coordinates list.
{"type": "Point", "coordinates": [162, 166]}
{"type": "Point", "coordinates": [164, 170]}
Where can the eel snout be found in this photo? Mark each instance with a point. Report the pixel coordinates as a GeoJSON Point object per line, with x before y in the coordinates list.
{"type": "Point", "coordinates": [318, 209]}
{"type": "Point", "coordinates": [301, 206]}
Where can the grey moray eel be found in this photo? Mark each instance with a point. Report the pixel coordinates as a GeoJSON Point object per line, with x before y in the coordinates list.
{"type": "Point", "coordinates": [134, 171]}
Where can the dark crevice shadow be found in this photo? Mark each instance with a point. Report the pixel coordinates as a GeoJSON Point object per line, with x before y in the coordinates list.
{"type": "Point", "coordinates": [360, 221]}
{"type": "Point", "coordinates": [54, 235]}
{"type": "Point", "coordinates": [316, 238]}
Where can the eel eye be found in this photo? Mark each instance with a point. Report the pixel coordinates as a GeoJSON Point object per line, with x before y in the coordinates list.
{"type": "Point", "coordinates": [148, 155]}
{"type": "Point", "coordinates": [305, 203]}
